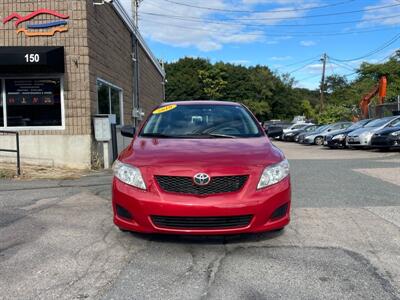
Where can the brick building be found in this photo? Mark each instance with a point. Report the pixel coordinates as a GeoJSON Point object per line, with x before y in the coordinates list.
{"type": "Point", "coordinates": [61, 63]}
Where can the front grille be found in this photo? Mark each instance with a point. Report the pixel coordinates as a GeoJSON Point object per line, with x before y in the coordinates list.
{"type": "Point", "coordinates": [353, 140]}
{"type": "Point", "coordinates": [202, 222]}
{"type": "Point", "coordinates": [217, 185]}
{"type": "Point", "coordinates": [381, 141]}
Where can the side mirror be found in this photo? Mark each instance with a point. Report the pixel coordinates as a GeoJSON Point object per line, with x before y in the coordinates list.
{"type": "Point", "coordinates": [329, 130]}
{"type": "Point", "coordinates": [128, 131]}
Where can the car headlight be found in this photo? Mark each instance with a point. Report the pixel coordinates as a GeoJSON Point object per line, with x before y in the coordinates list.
{"type": "Point", "coordinates": [274, 174]}
{"type": "Point", "coordinates": [128, 174]}
{"type": "Point", "coordinates": [289, 134]}
{"type": "Point", "coordinates": [396, 133]}
{"type": "Point", "coordinates": [339, 137]}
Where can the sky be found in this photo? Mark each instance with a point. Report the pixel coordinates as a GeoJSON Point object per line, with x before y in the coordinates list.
{"type": "Point", "coordinates": [288, 36]}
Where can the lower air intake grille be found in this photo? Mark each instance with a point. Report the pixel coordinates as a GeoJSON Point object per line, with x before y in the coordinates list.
{"type": "Point", "coordinates": [202, 222]}
{"type": "Point", "coordinates": [217, 185]}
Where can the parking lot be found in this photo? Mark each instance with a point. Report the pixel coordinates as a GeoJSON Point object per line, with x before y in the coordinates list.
{"type": "Point", "coordinates": [57, 240]}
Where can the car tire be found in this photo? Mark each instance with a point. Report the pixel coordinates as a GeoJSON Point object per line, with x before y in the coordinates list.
{"type": "Point", "coordinates": [319, 140]}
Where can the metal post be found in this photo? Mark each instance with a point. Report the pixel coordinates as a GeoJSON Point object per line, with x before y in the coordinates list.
{"type": "Point", "coordinates": [398, 103]}
{"type": "Point", "coordinates": [18, 156]}
{"type": "Point", "coordinates": [114, 141]}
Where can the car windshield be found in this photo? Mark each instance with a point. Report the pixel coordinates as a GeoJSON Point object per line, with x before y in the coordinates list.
{"type": "Point", "coordinates": [298, 126]}
{"type": "Point", "coordinates": [355, 126]}
{"type": "Point", "coordinates": [377, 122]}
{"type": "Point", "coordinates": [322, 128]}
{"type": "Point", "coordinates": [395, 123]}
{"type": "Point", "coordinates": [201, 121]}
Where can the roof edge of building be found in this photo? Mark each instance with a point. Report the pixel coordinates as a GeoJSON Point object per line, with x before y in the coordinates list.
{"type": "Point", "coordinates": [129, 23]}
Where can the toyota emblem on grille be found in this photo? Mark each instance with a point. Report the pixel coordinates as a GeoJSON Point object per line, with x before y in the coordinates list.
{"type": "Point", "coordinates": [201, 179]}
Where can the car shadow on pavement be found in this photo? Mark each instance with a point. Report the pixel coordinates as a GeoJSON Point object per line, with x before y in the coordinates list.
{"type": "Point", "coordinates": [209, 239]}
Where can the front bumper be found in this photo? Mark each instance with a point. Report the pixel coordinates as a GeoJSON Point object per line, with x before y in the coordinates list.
{"type": "Point", "coordinates": [358, 141]}
{"type": "Point", "coordinates": [142, 205]}
{"type": "Point", "coordinates": [289, 138]}
{"type": "Point", "coordinates": [308, 140]}
{"type": "Point", "coordinates": [385, 141]}
{"type": "Point", "coordinates": [334, 143]}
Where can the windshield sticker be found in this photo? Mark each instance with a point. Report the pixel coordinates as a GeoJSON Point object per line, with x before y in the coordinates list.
{"type": "Point", "coordinates": [164, 109]}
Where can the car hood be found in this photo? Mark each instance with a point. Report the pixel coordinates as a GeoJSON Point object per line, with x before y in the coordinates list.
{"type": "Point", "coordinates": [297, 131]}
{"type": "Point", "coordinates": [386, 131]}
{"type": "Point", "coordinates": [201, 152]}
{"type": "Point", "coordinates": [315, 134]}
{"type": "Point", "coordinates": [363, 130]}
{"type": "Point", "coordinates": [340, 131]}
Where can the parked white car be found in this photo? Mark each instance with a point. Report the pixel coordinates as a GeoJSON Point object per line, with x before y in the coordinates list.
{"type": "Point", "coordinates": [362, 137]}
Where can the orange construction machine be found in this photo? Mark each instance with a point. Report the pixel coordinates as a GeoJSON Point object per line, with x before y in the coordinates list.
{"type": "Point", "coordinates": [379, 90]}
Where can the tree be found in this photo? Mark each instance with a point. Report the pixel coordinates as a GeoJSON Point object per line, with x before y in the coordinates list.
{"type": "Point", "coordinates": [212, 82]}
{"type": "Point", "coordinates": [307, 109]}
{"type": "Point", "coordinates": [271, 95]}
{"type": "Point", "coordinates": [259, 108]}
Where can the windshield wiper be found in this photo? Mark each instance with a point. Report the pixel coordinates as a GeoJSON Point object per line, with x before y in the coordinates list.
{"type": "Point", "coordinates": [188, 136]}
{"type": "Point", "coordinates": [157, 135]}
{"type": "Point", "coordinates": [217, 135]}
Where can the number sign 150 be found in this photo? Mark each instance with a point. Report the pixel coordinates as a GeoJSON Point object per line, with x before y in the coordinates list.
{"type": "Point", "coordinates": [32, 58]}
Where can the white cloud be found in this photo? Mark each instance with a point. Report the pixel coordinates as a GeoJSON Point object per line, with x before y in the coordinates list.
{"type": "Point", "coordinates": [199, 32]}
{"type": "Point", "coordinates": [281, 58]}
{"type": "Point", "coordinates": [307, 43]}
{"type": "Point", "coordinates": [383, 15]}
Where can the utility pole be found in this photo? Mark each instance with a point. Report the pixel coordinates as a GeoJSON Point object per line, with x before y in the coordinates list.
{"type": "Point", "coordinates": [322, 90]}
{"type": "Point", "coordinates": [135, 12]}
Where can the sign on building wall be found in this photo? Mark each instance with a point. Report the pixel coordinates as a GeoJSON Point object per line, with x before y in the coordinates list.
{"type": "Point", "coordinates": [30, 27]}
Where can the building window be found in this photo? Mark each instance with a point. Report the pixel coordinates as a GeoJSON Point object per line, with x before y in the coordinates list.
{"type": "Point", "coordinates": [31, 102]}
{"type": "Point", "coordinates": [109, 99]}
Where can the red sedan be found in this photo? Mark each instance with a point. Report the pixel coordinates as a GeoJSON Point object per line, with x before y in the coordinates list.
{"type": "Point", "coordinates": [201, 167]}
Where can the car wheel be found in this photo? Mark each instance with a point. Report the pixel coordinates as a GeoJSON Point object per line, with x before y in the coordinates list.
{"type": "Point", "coordinates": [318, 141]}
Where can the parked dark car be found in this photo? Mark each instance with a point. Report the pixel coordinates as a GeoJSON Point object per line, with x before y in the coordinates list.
{"type": "Point", "coordinates": [337, 139]}
{"type": "Point", "coordinates": [388, 137]}
{"type": "Point", "coordinates": [317, 138]}
{"type": "Point", "coordinates": [301, 137]}
{"type": "Point", "coordinates": [274, 131]}
{"type": "Point", "coordinates": [291, 135]}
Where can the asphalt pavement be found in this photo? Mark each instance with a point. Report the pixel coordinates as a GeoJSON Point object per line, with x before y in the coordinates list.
{"type": "Point", "coordinates": [57, 240]}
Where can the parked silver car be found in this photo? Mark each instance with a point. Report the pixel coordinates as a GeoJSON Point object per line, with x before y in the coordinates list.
{"type": "Point", "coordinates": [362, 137]}
{"type": "Point", "coordinates": [317, 138]}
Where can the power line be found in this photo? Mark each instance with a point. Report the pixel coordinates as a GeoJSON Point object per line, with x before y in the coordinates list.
{"type": "Point", "coordinates": [309, 77]}
{"type": "Point", "coordinates": [310, 16]}
{"type": "Point", "coordinates": [375, 51]}
{"type": "Point", "coordinates": [299, 34]}
{"type": "Point", "coordinates": [257, 11]}
{"type": "Point", "coordinates": [224, 22]}
{"type": "Point", "coordinates": [302, 61]}
{"type": "Point", "coordinates": [342, 65]}
{"type": "Point", "coordinates": [301, 68]}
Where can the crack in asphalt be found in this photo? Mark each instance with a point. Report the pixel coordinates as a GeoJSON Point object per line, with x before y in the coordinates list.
{"type": "Point", "coordinates": [215, 266]}
{"type": "Point", "coordinates": [380, 217]}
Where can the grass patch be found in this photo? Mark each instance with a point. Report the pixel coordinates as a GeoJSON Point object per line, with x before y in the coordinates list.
{"type": "Point", "coordinates": [7, 174]}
